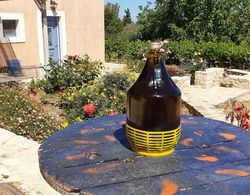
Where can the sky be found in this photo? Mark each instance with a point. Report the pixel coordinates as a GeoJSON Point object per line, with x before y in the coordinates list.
{"type": "Point", "coordinates": [132, 5]}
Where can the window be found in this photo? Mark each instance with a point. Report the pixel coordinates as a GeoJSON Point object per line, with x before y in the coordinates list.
{"type": "Point", "coordinates": [13, 26]}
{"type": "Point", "coordinates": [10, 28]}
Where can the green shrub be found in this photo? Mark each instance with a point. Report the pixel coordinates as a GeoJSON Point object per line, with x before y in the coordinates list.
{"type": "Point", "coordinates": [135, 65]}
{"type": "Point", "coordinates": [119, 50]}
{"type": "Point", "coordinates": [220, 54]}
{"type": "Point", "coordinates": [130, 32]}
{"type": "Point", "coordinates": [72, 72]}
{"type": "Point", "coordinates": [34, 86]}
{"type": "Point", "coordinates": [107, 94]}
{"type": "Point", "coordinates": [189, 53]}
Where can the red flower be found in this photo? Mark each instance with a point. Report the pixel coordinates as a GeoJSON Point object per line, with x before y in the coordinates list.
{"type": "Point", "coordinates": [246, 126]}
{"type": "Point", "coordinates": [89, 109]}
{"type": "Point", "coordinates": [60, 93]}
{"type": "Point", "coordinates": [114, 112]}
{"type": "Point", "coordinates": [247, 115]}
{"type": "Point", "coordinates": [70, 57]}
{"type": "Point", "coordinates": [238, 109]}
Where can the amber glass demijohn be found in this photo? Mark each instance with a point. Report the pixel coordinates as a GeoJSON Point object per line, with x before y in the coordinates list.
{"type": "Point", "coordinates": [153, 108]}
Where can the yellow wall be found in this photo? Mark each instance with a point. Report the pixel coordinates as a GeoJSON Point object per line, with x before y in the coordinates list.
{"type": "Point", "coordinates": [84, 28]}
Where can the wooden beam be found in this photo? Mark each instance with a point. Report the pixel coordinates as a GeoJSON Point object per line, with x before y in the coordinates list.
{"type": "Point", "coordinates": [41, 4]}
{"type": "Point", "coordinates": [1, 28]}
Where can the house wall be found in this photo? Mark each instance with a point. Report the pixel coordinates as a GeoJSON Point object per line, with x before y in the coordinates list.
{"type": "Point", "coordinates": [84, 28]}
{"type": "Point", "coordinates": [26, 51]}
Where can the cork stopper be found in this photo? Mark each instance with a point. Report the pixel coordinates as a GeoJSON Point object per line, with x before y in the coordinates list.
{"type": "Point", "coordinates": [154, 46]}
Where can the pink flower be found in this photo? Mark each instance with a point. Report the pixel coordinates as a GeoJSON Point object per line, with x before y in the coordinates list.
{"type": "Point", "coordinates": [113, 112]}
{"type": "Point", "coordinates": [89, 109]}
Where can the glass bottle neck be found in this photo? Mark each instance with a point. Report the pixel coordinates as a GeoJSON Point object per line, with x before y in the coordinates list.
{"type": "Point", "coordinates": [154, 58]}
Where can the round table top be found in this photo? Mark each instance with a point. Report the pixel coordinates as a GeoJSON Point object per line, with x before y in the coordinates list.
{"type": "Point", "coordinates": [94, 157]}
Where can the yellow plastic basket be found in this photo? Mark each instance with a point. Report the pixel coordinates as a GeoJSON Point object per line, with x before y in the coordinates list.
{"type": "Point", "coordinates": [152, 143]}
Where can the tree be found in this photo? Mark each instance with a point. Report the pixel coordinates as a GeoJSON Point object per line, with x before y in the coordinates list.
{"type": "Point", "coordinates": [200, 20]}
{"type": "Point", "coordinates": [127, 18]}
{"type": "Point", "coordinates": [113, 24]}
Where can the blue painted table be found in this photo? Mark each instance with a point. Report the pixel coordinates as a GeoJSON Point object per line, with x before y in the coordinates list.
{"type": "Point", "coordinates": [93, 157]}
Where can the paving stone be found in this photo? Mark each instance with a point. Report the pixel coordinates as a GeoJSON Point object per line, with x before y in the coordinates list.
{"type": "Point", "coordinates": [19, 164]}
{"type": "Point", "coordinates": [205, 100]}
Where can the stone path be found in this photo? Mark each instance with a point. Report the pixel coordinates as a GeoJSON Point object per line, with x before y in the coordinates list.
{"type": "Point", "coordinates": [19, 156]}
{"type": "Point", "coordinates": [205, 100]}
{"type": "Point", "coordinates": [19, 164]}
{"type": "Point", "coordinates": [245, 97]}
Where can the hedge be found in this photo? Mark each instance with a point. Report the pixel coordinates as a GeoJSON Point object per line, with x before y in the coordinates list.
{"type": "Point", "coordinates": [220, 54]}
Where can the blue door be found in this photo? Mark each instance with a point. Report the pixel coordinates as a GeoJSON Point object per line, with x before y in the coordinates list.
{"type": "Point", "coordinates": [53, 38]}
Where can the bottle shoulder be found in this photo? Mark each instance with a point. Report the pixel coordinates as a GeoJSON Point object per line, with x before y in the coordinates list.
{"type": "Point", "coordinates": [154, 81]}
{"type": "Point", "coordinates": [153, 89]}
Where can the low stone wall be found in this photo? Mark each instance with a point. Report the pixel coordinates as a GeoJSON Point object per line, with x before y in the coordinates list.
{"type": "Point", "coordinates": [236, 78]}
{"type": "Point", "coordinates": [111, 67]}
{"type": "Point", "coordinates": [183, 81]}
{"type": "Point", "coordinates": [208, 78]}
{"type": "Point", "coordinates": [219, 77]}
{"type": "Point", "coordinates": [31, 71]}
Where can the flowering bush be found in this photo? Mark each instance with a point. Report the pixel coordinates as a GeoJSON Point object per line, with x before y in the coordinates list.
{"type": "Point", "coordinates": [237, 110]}
{"type": "Point", "coordinates": [74, 71]}
{"type": "Point", "coordinates": [24, 117]}
{"type": "Point", "coordinates": [103, 96]}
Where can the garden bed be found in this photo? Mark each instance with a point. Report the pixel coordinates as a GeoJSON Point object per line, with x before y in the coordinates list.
{"type": "Point", "coordinates": [24, 115]}
{"type": "Point", "coordinates": [75, 93]}
{"type": "Point", "coordinates": [37, 116]}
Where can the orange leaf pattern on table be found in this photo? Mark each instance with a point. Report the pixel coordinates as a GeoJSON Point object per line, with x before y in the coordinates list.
{"type": "Point", "coordinates": [199, 133]}
{"type": "Point", "coordinates": [207, 158]}
{"type": "Point", "coordinates": [87, 142]}
{"type": "Point", "coordinates": [102, 169]}
{"type": "Point", "coordinates": [169, 188]}
{"type": "Point", "coordinates": [79, 156]}
{"type": "Point", "coordinates": [228, 136]}
{"type": "Point", "coordinates": [85, 131]}
{"type": "Point", "coordinates": [236, 172]}
{"type": "Point", "coordinates": [110, 138]}
{"type": "Point", "coordinates": [227, 149]}
{"type": "Point", "coordinates": [186, 142]}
